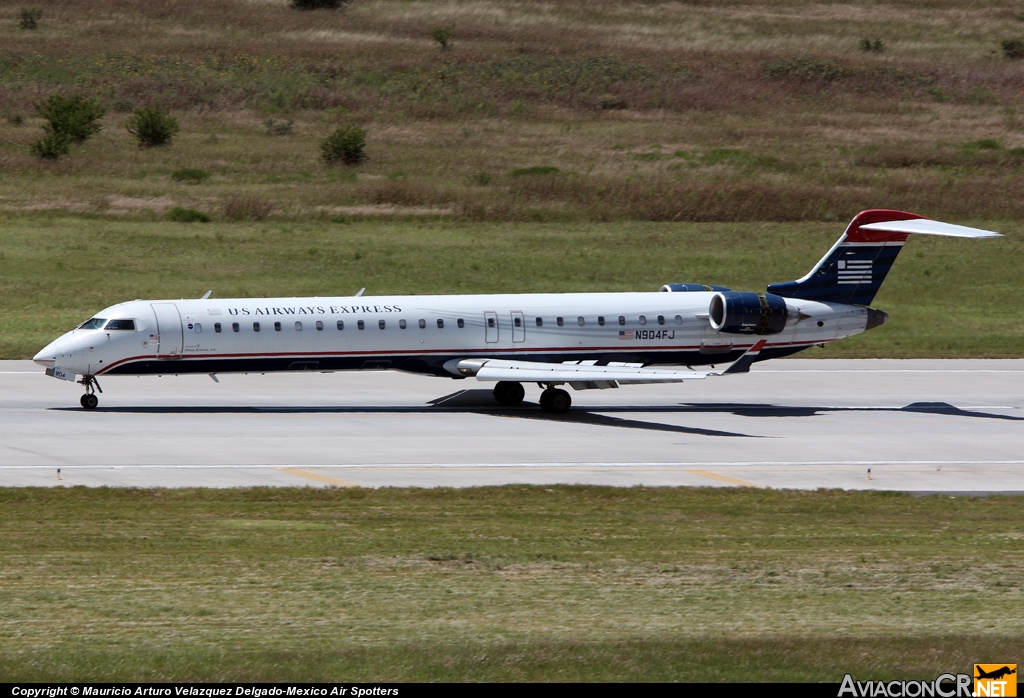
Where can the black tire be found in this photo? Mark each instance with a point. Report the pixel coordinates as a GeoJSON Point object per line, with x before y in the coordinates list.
{"type": "Point", "coordinates": [82, 401]}
{"type": "Point", "coordinates": [90, 401]}
{"type": "Point", "coordinates": [514, 394]}
{"type": "Point", "coordinates": [501, 392]}
{"type": "Point", "coordinates": [555, 401]}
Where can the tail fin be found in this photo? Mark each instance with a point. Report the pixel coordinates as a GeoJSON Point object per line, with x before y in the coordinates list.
{"type": "Point", "coordinates": [854, 269]}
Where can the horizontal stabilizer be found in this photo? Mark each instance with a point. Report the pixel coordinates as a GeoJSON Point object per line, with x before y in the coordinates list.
{"type": "Point", "coordinates": [925, 226]}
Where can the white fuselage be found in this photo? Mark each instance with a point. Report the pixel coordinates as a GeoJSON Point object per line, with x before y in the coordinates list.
{"type": "Point", "coordinates": [421, 333]}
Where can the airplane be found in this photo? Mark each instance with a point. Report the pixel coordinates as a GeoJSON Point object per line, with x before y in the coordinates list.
{"type": "Point", "coordinates": [584, 340]}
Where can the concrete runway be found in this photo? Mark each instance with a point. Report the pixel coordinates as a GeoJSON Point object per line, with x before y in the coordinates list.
{"type": "Point", "coordinates": [923, 426]}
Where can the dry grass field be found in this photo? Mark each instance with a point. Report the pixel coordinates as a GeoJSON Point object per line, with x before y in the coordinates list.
{"type": "Point", "coordinates": [547, 111]}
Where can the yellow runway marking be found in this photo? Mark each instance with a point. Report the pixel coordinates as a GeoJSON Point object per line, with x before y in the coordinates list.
{"type": "Point", "coordinates": [318, 477]}
{"type": "Point", "coordinates": [726, 478]}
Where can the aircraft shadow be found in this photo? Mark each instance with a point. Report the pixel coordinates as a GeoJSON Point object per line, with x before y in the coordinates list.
{"type": "Point", "coordinates": [482, 402]}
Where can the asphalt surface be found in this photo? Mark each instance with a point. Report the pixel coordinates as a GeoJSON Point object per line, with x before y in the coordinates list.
{"type": "Point", "coordinates": [919, 426]}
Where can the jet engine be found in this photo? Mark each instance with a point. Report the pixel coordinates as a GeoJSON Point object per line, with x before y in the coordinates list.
{"type": "Point", "coordinates": [739, 312]}
{"type": "Point", "coordinates": [683, 288]}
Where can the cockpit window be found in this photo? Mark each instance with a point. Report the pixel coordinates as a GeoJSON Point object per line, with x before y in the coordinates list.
{"type": "Point", "coordinates": [95, 323]}
{"type": "Point", "coordinates": [120, 325]}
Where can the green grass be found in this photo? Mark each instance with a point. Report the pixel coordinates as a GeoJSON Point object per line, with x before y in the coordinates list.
{"type": "Point", "coordinates": [946, 298]}
{"type": "Point", "coordinates": [509, 583]}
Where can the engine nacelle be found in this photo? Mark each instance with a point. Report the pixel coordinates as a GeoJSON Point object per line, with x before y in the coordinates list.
{"type": "Point", "coordinates": [683, 288]}
{"type": "Point", "coordinates": [738, 312]}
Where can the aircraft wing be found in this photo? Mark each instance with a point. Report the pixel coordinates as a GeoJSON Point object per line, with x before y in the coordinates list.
{"type": "Point", "coordinates": [587, 372]}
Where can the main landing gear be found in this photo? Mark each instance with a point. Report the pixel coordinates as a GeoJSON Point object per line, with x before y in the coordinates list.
{"type": "Point", "coordinates": [553, 400]}
{"type": "Point", "coordinates": [509, 393]}
{"type": "Point", "coordinates": [89, 401]}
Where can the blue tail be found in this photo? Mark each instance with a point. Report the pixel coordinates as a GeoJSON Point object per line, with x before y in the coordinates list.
{"type": "Point", "coordinates": [854, 269]}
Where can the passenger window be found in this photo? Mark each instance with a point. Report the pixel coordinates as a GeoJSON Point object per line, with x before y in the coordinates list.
{"type": "Point", "coordinates": [462, 323]}
{"type": "Point", "coordinates": [95, 323]}
{"type": "Point", "coordinates": [540, 322]}
{"type": "Point", "coordinates": [490, 322]}
{"type": "Point", "coordinates": [423, 324]}
{"type": "Point", "coordinates": [679, 319]}
{"type": "Point", "coordinates": [661, 319]}
{"type": "Point", "coordinates": [197, 327]}
{"type": "Point", "coordinates": [121, 325]}
{"type": "Point", "coordinates": [440, 324]}
{"type": "Point", "coordinates": [643, 320]}
{"type": "Point", "coordinates": [600, 320]}
{"type": "Point", "coordinates": [401, 324]}
{"type": "Point", "coordinates": [255, 327]}
{"type": "Point", "coordinates": [380, 324]}
{"type": "Point", "coordinates": [580, 321]}
{"type": "Point", "coordinates": [622, 319]}
{"type": "Point", "coordinates": [234, 327]}
{"type": "Point", "coordinates": [559, 321]}
{"type": "Point", "coordinates": [277, 327]}
{"type": "Point", "coordinates": [298, 326]}
{"type": "Point", "coordinates": [319, 325]}
{"type": "Point", "coordinates": [361, 325]}
{"type": "Point", "coordinates": [216, 327]}
{"type": "Point", "coordinates": [341, 324]}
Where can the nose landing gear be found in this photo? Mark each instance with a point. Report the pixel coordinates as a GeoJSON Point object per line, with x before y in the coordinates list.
{"type": "Point", "coordinates": [89, 401]}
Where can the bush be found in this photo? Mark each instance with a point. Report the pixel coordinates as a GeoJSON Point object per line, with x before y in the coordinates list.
{"type": "Point", "coordinates": [346, 144]}
{"type": "Point", "coordinates": [1013, 48]}
{"type": "Point", "coordinates": [72, 117]}
{"type": "Point", "coordinates": [247, 208]}
{"type": "Point", "coordinates": [535, 171]}
{"type": "Point", "coordinates": [30, 18]}
{"type": "Point", "coordinates": [805, 68]}
{"type": "Point", "coordinates": [873, 45]}
{"type": "Point", "coordinates": [51, 146]}
{"type": "Point", "coordinates": [317, 4]}
{"type": "Point", "coordinates": [186, 215]}
{"type": "Point", "coordinates": [152, 126]}
{"type": "Point", "coordinates": [190, 175]}
{"type": "Point", "coordinates": [444, 36]}
{"type": "Point", "coordinates": [278, 128]}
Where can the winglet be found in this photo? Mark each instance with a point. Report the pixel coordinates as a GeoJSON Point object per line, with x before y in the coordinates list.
{"type": "Point", "coordinates": [742, 364]}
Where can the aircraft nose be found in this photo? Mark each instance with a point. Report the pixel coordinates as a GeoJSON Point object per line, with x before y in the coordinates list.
{"type": "Point", "coordinates": [47, 357]}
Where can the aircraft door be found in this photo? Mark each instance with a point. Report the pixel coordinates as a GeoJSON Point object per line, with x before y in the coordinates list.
{"type": "Point", "coordinates": [490, 326]}
{"type": "Point", "coordinates": [169, 333]}
{"type": "Point", "coordinates": [518, 326]}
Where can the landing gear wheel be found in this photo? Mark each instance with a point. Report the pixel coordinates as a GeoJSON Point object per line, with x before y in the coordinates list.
{"type": "Point", "coordinates": [89, 401]}
{"type": "Point", "coordinates": [555, 401]}
{"type": "Point", "coordinates": [509, 393]}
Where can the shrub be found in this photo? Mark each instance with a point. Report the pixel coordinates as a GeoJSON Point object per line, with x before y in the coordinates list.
{"type": "Point", "coordinates": [1013, 48]}
{"type": "Point", "coordinates": [190, 175]}
{"type": "Point", "coordinates": [443, 36]}
{"type": "Point", "coordinates": [51, 146]}
{"type": "Point", "coordinates": [346, 144]}
{"type": "Point", "coordinates": [30, 18]}
{"type": "Point", "coordinates": [983, 144]}
{"type": "Point", "coordinates": [152, 126]}
{"type": "Point", "coordinates": [873, 45]}
{"type": "Point", "coordinates": [278, 128]}
{"type": "Point", "coordinates": [805, 68]}
{"type": "Point", "coordinates": [535, 171]}
{"type": "Point", "coordinates": [247, 208]}
{"type": "Point", "coordinates": [611, 102]}
{"type": "Point", "coordinates": [317, 4]}
{"type": "Point", "coordinates": [73, 117]}
{"type": "Point", "coordinates": [186, 215]}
